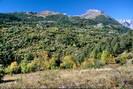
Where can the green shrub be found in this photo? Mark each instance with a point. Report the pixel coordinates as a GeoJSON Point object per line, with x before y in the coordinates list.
{"type": "Point", "coordinates": [88, 64]}
{"type": "Point", "coordinates": [2, 73]}
{"type": "Point", "coordinates": [54, 63]}
{"type": "Point", "coordinates": [24, 66]}
{"type": "Point", "coordinates": [29, 57]}
{"type": "Point", "coordinates": [99, 63]}
{"type": "Point", "coordinates": [38, 64]}
{"type": "Point", "coordinates": [122, 59]}
{"type": "Point", "coordinates": [35, 65]}
{"type": "Point", "coordinates": [31, 67]}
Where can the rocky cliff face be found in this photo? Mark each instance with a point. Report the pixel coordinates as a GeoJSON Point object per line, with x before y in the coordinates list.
{"type": "Point", "coordinates": [92, 13]}
{"type": "Point", "coordinates": [47, 13]}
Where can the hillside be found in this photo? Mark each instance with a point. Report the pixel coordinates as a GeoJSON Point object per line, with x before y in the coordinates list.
{"type": "Point", "coordinates": [7, 18]}
{"type": "Point", "coordinates": [33, 43]}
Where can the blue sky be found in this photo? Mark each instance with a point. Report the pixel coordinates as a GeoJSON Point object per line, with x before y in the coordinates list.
{"type": "Point", "coordinates": [119, 9]}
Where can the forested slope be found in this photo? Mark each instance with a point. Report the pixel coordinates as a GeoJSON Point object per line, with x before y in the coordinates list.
{"type": "Point", "coordinates": [61, 41]}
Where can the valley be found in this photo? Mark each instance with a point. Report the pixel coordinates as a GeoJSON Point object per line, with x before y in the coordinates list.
{"type": "Point", "coordinates": [56, 50]}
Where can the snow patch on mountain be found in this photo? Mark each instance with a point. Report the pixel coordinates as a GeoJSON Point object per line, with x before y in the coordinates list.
{"type": "Point", "coordinates": [127, 23]}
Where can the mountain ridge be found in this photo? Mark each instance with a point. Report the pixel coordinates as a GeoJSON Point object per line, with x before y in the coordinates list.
{"type": "Point", "coordinates": [45, 13]}
{"type": "Point", "coordinates": [91, 17]}
{"type": "Point", "coordinates": [92, 13]}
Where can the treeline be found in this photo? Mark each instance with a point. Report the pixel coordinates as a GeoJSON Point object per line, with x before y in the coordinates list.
{"type": "Point", "coordinates": [7, 18]}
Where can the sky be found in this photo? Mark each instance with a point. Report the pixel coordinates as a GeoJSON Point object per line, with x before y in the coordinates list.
{"type": "Point", "coordinates": [118, 9]}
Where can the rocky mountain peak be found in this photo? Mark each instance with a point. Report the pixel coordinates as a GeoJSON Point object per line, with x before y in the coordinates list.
{"type": "Point", "coordinates": [92, 13]}
{"type": "Point", "coordinates": [44, 13]}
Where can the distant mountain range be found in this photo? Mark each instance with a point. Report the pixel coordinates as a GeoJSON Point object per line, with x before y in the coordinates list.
{"type": "Point", "coordinates": [93, 14]}
{"type": "Point", "coordinates": [90, 14]}
{"type": "Point", "coordinates": [91, 17]}
{"type": "Point", "coordinates": [127, 23]}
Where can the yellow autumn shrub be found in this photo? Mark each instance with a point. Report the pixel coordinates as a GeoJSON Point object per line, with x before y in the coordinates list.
{"type": "Point", "coordinates": [107, 58]}
{"type": "Point", "coordinates": [69, 62]}
{"type": "Point", "coordinates": [13, 68]}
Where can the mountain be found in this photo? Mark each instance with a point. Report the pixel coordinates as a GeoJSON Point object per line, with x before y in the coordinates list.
{"type": "Point", "coordinates": [100, 17]}
{"type": "Point", "coordinates": [45, 13]}
{"type": "Point", "coordinates": [26, 16]}
{"type": "Point", "coordinates": [51, 36]}
{"type": "Point", "coordinates": [92, 13]}
{"type": "Point", "coordinates": [91, 18]}
{"type": "Point", "coordinates": [127, 23]}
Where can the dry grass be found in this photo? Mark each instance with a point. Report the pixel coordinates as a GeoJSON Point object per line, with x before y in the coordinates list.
{"type": "Point", "coordinates": [121, 77]}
